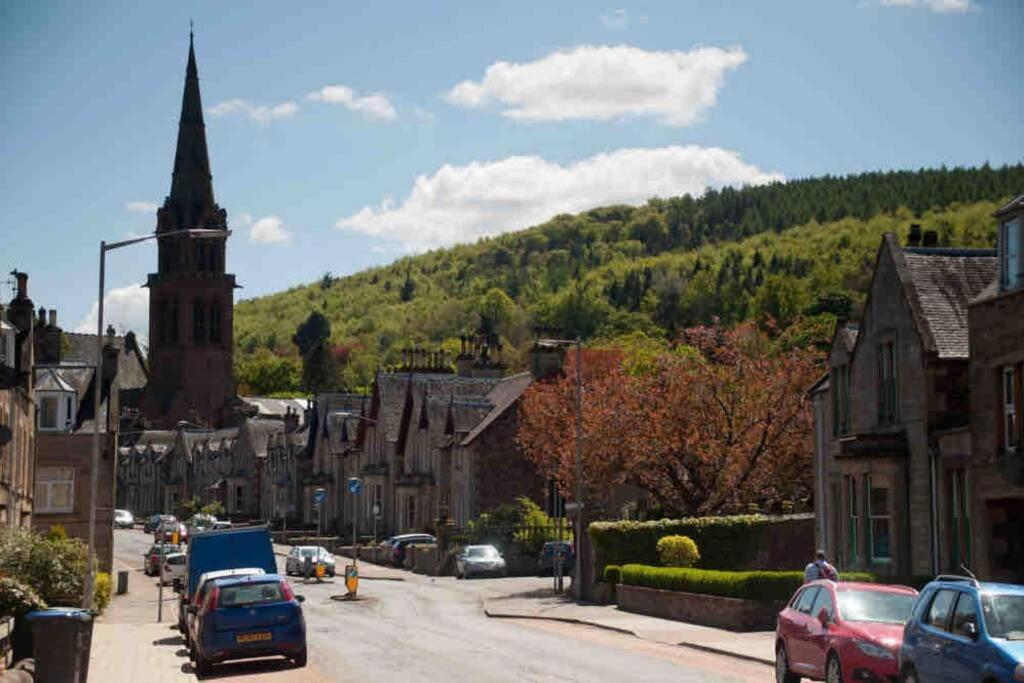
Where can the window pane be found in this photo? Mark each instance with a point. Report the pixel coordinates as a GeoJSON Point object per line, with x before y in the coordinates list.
{"type": "Point", "coordinates": [939, 610]}
{"type": "Point", "coordinates": [807, 599]}
{"type": "Point", "coordinates": [880, 549]}
{"type": "Point", "coordinates": [61, 496]}
{"type": "Point", "coordinates": [965, 613]}
{"type": "Point", "coordinates": [879, 500]}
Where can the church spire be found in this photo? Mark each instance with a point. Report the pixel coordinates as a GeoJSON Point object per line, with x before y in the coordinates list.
{"type": "Point", "coordinates": [191, 198]}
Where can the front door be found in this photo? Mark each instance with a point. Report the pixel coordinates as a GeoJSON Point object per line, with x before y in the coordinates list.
{"type": "Point", "coordinates": [1006, 550]}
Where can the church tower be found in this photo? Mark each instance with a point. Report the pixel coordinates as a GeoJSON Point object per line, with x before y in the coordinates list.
{"type": "Point", "coordinates": [191, 298]}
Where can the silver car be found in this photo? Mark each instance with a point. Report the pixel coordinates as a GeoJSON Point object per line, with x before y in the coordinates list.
{"type": "Point", "coordinates": [477, 560]}
{"type": "Point", "coordinates": [296, 561]}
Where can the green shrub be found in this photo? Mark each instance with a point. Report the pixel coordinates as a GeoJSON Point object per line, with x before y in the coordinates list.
{"type": "Point", "coordinates": [57, 533]}
{"type": "Point", "coordinates": [732, 542]}
{"type": "Point", "coordinates": [678, 551]}
{"type": "Point", "coordinates": [757, 585]}
{"type": "Point", "coordinates": [17, 598]}
{"type": "Point", "coordinates": [613, 574]}
{"type": "Point", "coordinates": [101, 594]}
{"type": "Point", "coordinates": [53, 568]}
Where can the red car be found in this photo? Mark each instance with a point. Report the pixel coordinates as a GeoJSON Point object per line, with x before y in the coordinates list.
{"type": "Point", "coordinates": [842, 632]}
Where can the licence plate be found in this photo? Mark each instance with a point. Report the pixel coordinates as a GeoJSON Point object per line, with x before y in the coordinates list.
{"type": "Point", "coordinates": [252, 637]}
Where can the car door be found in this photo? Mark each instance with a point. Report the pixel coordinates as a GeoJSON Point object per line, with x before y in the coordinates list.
{"type": "Point", "coordinates": [818, 636]}
{"type": "Point", "coordinates": [799, 648]}
{"type": "Point", "coordinates": [933, 636]}
{"type": "Point", "coordinates": [962, 659]}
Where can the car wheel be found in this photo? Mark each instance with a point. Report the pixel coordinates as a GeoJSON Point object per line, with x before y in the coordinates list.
{"type": "Point", "coordinates": [834, 670]}
{"type": "Point", "coordinates": [203, 666]}
{"type": "Point", "coordinates": [782, 672]}
{"type": "Point", "coordinates": [300, 659]}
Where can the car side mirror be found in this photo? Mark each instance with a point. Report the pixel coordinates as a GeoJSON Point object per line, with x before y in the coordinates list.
{"type": "Point", "coordinates": [300, 598]}
{"type": "Point", "coordinates": [970, 629]}
{"type": "Point", "coordinates": [824, 619]}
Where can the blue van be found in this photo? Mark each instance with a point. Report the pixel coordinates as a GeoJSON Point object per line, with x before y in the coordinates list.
{"type": "Point", "coordinates": [965, 630]}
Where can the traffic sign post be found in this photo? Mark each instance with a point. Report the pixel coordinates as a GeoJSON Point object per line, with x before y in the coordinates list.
{"type": "Point", "coordinates": [355, 484]}
{"type": "Point", "coordinates": [319, 496]}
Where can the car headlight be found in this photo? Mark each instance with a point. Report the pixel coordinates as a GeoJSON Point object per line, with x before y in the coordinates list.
{"type": "Point", "coordinates": [1018, 673]}
{"type": "Point", "coordinates": [876, 651]}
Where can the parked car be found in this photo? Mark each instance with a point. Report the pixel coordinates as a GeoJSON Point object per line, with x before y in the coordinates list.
{"type": "Point", "coordinates": [842, 632]}
{"type": "Point", "coordinates": [174, 567]}
{"type": "Point", "coordinates": [249, 616]}
{"type": "Point", "coordinates": [479, 560]}
{"type": "Point", "coordinates": [546, 560]}
{"type": "Point", "coordinates": [204, 583]}
{"type": "Point", "coordinates": [123, 519]}
{"type": "Point", "coordinates": [965, 630]}
{"type": "Point", "coordinates": [152, 558]}
{"type": "Point", "coordinates": [211, 551]}
{"type": "Point", "coordinates": [296, 560]}
{"type": "Point", "coordinates": [397, 545]}
{"type": "Point", "coordinates": [154, 521]}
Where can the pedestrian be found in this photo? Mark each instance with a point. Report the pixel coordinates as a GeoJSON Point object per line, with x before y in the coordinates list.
{"type": "Point", "coordinates": [820, 569]}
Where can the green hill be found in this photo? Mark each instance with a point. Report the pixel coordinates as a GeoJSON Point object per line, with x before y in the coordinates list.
{"type": "Point", "coordinates": [797, 253]}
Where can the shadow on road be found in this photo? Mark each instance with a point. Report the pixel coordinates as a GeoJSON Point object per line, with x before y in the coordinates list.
{"type": "Point", "coordinates": [247, 667]}
{"type": "Point", "coordinates": [169, 640]}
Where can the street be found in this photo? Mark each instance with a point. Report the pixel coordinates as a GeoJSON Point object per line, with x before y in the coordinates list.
{"type": "Point", "coordinates": [419, 628]}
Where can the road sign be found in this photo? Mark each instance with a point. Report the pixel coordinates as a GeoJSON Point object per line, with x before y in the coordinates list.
{"type": "Point", "coordinates": [319, 496]}
{"type": "Point", "coordinates": [376, 509]}
{"type": "Point", "coordinates": [354, 485]}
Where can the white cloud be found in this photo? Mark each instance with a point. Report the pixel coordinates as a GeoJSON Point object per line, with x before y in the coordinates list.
{"type": "Point", "coordinates": [604, 82]}
{"type": "Point", "coordinates": [126, 308]}
{"type": "Point", "coordinates": [141, 207]}
{"type": "Point", "coordinates": [940, 6]}
{"type": "Point", "coordinates": [618, 19]}
{"type": "Point", "coordinates": [269, 230]}
{"type": "Point", "coordinates": [259, 114]}
{"type": "Point", "coordinates": [463, 203]}
{"type": "Point", "coordinates": [375, 106]}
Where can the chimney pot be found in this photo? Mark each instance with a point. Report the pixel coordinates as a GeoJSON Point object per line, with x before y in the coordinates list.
{"type": "Point", "coordinates": [931, 238]}
{"type": "Point", "coordinates": [914, 236]}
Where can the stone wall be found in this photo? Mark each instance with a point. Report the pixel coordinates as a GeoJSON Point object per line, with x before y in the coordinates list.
{"type": "Point", "coordinates": [502, 471]}
{"type": "Point", "coordinates": [707, 610]}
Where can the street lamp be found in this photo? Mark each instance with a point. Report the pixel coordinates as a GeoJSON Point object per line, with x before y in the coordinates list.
{"type": "Point", "coordinates": [577, 583]}
{"type": "Point", "coordinates": [98, 381]}
{"type": "Point", "coordinates": [349, 415]}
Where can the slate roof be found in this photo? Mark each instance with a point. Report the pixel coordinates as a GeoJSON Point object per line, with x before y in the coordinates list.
{"type": "Point", "coordinates": [940, 284]}
{"type": "Point", "coordinates": [276, 407]}
{"type": "Point", "coordinates": [51, 379]}
{"type": "Point", "coordinates": [131, 370]}
{"type": "Point", "coordinates": [503, 396]}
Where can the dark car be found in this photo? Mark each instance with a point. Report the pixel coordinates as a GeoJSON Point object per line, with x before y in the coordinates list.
{"type": "Point", "coordinates": [152, 522]}
{"type": "Point", "coordinates": [152, 558]}
{"type": "Point", "coordinates": [249, 616]}
{"type": "Point", "coordinates": [546, 560]}
{"type": "Point", "coordinates": [965, 630]}
{"type": "Point", "coordinates": [398, 544]}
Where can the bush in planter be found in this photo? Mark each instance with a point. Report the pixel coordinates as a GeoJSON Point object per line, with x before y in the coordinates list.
{"type": "Point", "coordinates": [612, 574]}
{"type": "Point", "coordinates": [53, 568]}
{"type": "Point", "coordinates": [17, 598]}
{"type": "Point", "coordinates": [678, 551]}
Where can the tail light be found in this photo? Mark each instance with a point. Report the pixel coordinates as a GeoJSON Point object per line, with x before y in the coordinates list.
{"type": "Point", "coordinates": [211, 600]}
{"type": "Point", "coordinates": [286, 588]}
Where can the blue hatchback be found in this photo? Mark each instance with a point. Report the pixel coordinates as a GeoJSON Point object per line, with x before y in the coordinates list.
{"type": "Point", "coordinates": [249, 616]}
{"type": "Point", "coordinates": [965, 631]}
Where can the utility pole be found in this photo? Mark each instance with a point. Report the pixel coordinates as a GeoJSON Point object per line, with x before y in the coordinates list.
{"type": "Point", "coordinates": [577, 581]}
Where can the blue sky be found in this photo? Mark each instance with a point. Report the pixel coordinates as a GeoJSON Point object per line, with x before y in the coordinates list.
{"type": "Point", "coordinates": [344, 135]}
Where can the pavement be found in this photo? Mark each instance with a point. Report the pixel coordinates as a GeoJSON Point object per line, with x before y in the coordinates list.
{"type": "Point", "coordinates": [413, 628]}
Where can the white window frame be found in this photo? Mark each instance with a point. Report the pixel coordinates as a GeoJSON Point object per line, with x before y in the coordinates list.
{"type": "Point", "coordinates": [49, 399]}
{"type": "Point", "coordinates": [44, 489]}
{"type": "Point", "coordinates": [1012, 255]}
{"type": "Point", "coordinates": [873, 516]}
{"type": "Point", "coordinates": [1011, 430]}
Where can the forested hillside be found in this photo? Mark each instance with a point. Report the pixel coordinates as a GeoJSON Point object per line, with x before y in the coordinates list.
{"type": "Point", "coordinates": [791, 255]}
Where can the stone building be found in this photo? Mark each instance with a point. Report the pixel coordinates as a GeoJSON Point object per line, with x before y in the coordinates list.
{"type": "Point", "coordinates": [891, 419]}
{"type": "Point", "coordinates": [191, 297]}
{"type": "Point", "coordinates": [17, 408]}
{"type": "Point", "coordinates": [988, 488]}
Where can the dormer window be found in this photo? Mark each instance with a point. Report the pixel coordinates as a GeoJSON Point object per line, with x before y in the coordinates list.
{"type": "Point", "coordinates": [1011, 242]}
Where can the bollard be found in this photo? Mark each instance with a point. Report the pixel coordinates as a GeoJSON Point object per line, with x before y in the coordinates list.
{"type": "Point", "coordinates": [122, 582]}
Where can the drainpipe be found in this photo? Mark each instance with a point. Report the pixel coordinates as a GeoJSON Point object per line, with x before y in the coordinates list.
{"type": "Point", "coordinates": [933, 511]}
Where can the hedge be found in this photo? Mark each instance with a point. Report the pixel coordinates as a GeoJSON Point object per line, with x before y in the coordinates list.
{"type": "Point", "coordinates": [613, 574]}
{"type": "Point", "coordinates": [771, 586]}
{"type": "Point", "coordinates": [725, 542]}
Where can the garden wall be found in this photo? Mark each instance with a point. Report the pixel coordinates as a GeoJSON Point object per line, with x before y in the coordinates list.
{"type": "Point", "coordinates": [707, 610]}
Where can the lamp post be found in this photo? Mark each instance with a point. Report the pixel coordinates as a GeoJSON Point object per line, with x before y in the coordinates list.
{"type": "Point", "coordinates": [577, 582]}
{"type": "Point", "coordinates": [89, 578]}
{"type": "Point", "coordinates": [349, 415]}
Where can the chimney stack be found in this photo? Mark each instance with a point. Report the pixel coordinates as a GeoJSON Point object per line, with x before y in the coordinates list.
{"type": "Point", "coordinates": [914, 237]}
{"type": "Point", "coordinates": [53, 317]}
{"type": "Point", "coordinates": [22, 279]}
{"type": "Point", "coordinates": [931, 238]}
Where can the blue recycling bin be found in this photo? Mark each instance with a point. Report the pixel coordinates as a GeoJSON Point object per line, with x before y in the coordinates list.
{"type": "Point", "coordinates": [63, 639]}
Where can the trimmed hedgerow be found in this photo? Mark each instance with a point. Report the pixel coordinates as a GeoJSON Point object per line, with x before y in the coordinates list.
{"type": "Point", "coordinates": [613, 574]}
{"type": "Point", "coordinates": [725, 542]}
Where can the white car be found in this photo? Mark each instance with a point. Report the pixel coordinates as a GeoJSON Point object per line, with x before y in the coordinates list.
{"type": "Point", "coordinates": [174, 567]}
{"type": "Point", "coordinates": [123, 519]}
{"type": "Point", "coordinates": [296, 561]}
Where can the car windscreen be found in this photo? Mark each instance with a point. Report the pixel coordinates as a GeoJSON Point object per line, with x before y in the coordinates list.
{"type": "Point", "coordinates": [176, 559]}
{"type": "Point", "coordinates": [307, 552]}
{"type": "Point", "coordinates": [484, 552]}
{"type": "Point", "coordinates": [861, 605]}
{"type": "Point", "coordinates": [249, 594]}
{"type": "Point", "coordinates": [1004, 616]}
